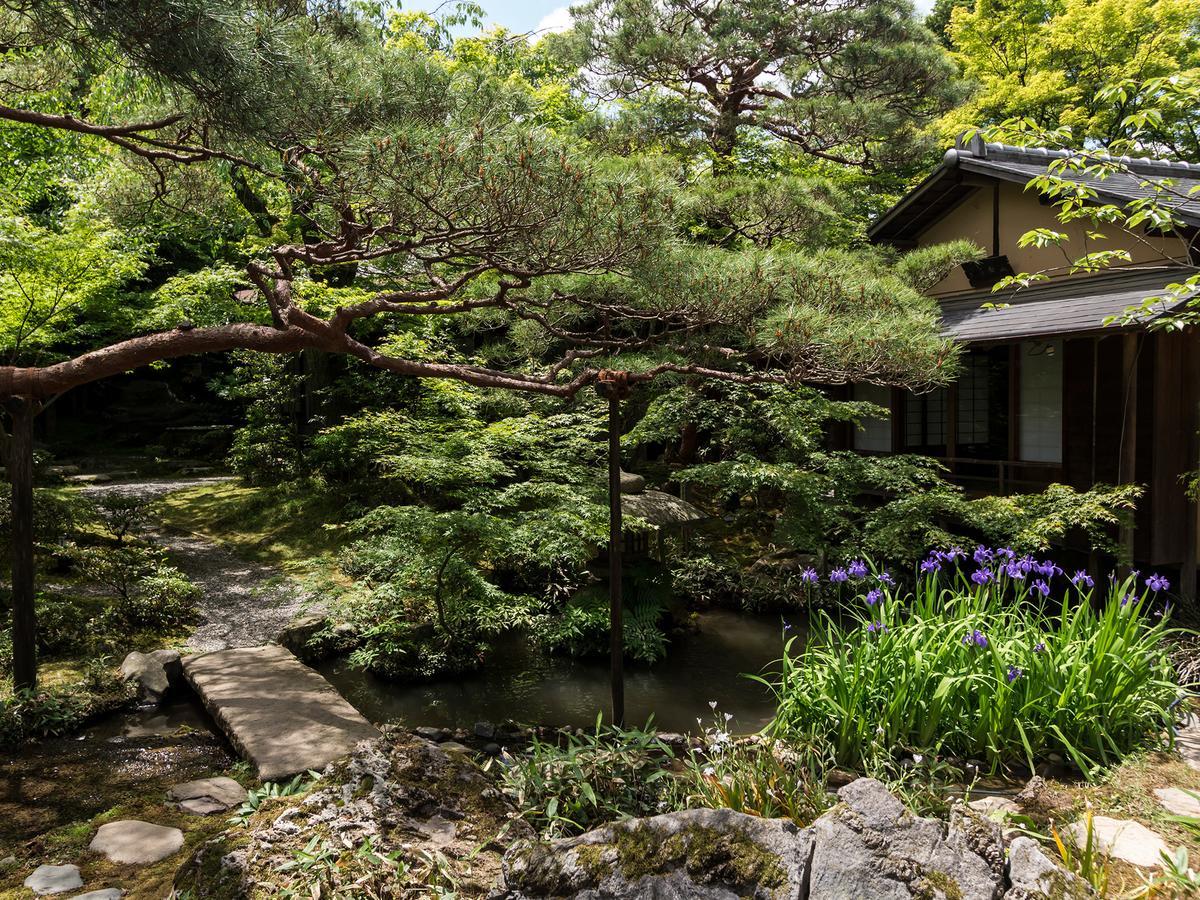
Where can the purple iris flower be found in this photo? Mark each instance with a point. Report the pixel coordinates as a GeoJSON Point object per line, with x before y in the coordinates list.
{"type": "Point", "coordinates": [982, 555]}
{"type": "Point", "coordinates": [981, 576]}
{"type": "Point", "coordinates": [1006, 553]}
{"type": "Point", "coordinates": [1015, 571]}
{"type": "Point", "coordinates": [1014, 673]}
{"type": "Point", "coordinates": [1041, 587]}
{"type": "Point", "coordinates": [809, 575]}
{"type": "Point", "coordinates": [857, 569]}
{"type": "Point", "coordinates": [1127, 598]}
{"type": "Point", "coordinates": [1157, 583]}
{"type": "Point", "coordinates": [1047, 569]}
{"type": "Point", "coordinates": [873, 596]}
{"type": "Point", "coordinates": [1082, 580]}
{"type": "Point", "coordinates": [1039, 647]}
{"type": "Point", "coordinates": [976, 637]}
{"type": "Point", "coordinates": [885, 578]}
{"type": "Point", "coordinates": [838, 576]}
{"type": "Point", "coordinates": [876, 628]}
{"type": "Point", "coordinates": [931, 565]}
{"type": "Point", "coordinates": [953, 553]}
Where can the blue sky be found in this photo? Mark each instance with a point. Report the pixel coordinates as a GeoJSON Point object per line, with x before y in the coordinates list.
{"type": "Point", "coordinates": [528, 15]}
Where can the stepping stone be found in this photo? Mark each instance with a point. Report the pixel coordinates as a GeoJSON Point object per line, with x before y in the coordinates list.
{"type": "Point", "coordinates": [989, 805]}
{"type": "Point", "coordinates": [1179, 801]}
{"type": "Point", "coordinates": [208, 795]}
{"type": "Point", "coordinates": [1187, 742]}
{"type": "Point", "coordinates": [1123, 839]}
{"type": "Point", "coordinates": [104, 894]}
{"type": "Point", "coordinates": [54, 880]}
{"type": "Point", "coordinates": [454, 747]}
{"type": "Point", "coordinates": [137, 842]}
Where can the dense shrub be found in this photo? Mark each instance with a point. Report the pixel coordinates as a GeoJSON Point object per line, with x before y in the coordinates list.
{"type": "Point", "coordinates": [981, 662]}
{"type": "Point", "coordinates": [56, 514]}
{"type": "Point", "coordinates": [52, 713]}
{"type": "Point", "coordinates": [710, 580]}
{"type": "Point", "coordinates": [146, 592]}
{"type": "Point", "coordinates": [581, 627]}
{"type": "Point", "coordinates": [588, 779]}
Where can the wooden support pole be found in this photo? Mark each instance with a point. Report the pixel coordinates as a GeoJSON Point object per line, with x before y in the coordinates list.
{"type": "Point", "coordinates": [1191, 424]}
{"type": "Point", "coordinates": [1127, 463]}
{"type": "Point", "coordinates": [616, 620]}
{"type": "Point", "coordinates": [20, 472]}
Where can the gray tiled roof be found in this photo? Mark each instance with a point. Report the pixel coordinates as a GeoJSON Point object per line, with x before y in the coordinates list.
{"type": "Point", "coordinates": [1133, 182]}
{"type": "Point", "coordinates": [949, 184]}
{"type": "Point", "coordinates": [1067, 306]}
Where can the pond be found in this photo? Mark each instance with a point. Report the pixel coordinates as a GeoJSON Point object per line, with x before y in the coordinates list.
{"type": "Point", "coordinates": [521, 683]}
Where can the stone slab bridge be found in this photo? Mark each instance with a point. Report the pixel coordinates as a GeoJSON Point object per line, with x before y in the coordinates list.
{"type": "Point", "coordinates": [277, 712]}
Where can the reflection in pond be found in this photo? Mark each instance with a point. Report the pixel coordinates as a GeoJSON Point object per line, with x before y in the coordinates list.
{"type": "Point", "coordinates": [521, 683]}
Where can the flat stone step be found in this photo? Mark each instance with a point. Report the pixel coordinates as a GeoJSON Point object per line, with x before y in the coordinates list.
{"type": "Point", "coordinates": [277, 712]}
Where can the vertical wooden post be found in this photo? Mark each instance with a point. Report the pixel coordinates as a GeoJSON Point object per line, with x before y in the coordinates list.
{"type": "Point", "coordinates": [616, 623]}
{"type": "Point", "coordinates": [1127, 464]}
{"type": "Point", "coordinates": [1191, 422]}
{"type": "Point", "coordinates": [20, 473]}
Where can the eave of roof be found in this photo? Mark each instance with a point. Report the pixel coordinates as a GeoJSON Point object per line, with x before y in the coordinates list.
{"type": "Point", "coordinates": [1018, 165]}
{"type": "Point", "coordinates": [1065, 307]}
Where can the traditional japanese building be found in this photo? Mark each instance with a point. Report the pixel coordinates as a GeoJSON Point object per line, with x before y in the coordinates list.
{"type": "Point", "coordinates": [1048, 392]}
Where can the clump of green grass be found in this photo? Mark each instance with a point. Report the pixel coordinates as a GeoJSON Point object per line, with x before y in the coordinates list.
{"type": "Point", "coordinates": [294, 526]}
{"type": "Point", "coordinates": [981, 660]}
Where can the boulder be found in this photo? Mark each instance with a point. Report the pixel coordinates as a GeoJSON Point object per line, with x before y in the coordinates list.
{"type": "Point", "coordinates": [700, 854]}
{"type": "Point", "coordinates": [102, 894]}
{"type": "Point", "coordinates": [430, 733]}
{"type": "Point", "coordinates": [208, 795]}
{"type": "Point", "coordinates": [1033, 876]}
{"type": "Point", "coordinates": [136, 842]}
{"type": "Point", "coordinates": [298, 634]}
{"type": "Point", "coordinates": [1124, 839]}
{"type": "Point", "coordinates": [631, 483]}
{"type": "Point", "coordinates": [155, 674]}
{"type": "Point", "coordinates": [870, 845]}
{"type": "Point", "coordinates": [54, 880]}
{"type": "Point", "coordinates": [403, 794]}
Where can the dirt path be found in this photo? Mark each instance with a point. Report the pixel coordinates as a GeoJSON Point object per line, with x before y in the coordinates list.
{"type": "Point", "coordinates": [244, 604]}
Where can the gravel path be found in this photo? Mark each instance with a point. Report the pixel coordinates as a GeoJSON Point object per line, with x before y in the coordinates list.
{"type": "Point", "coordinates": [244, 604]}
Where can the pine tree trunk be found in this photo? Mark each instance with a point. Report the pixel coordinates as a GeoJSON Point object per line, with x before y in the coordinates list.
{"type": "Point", "coordinates": [20, 472]}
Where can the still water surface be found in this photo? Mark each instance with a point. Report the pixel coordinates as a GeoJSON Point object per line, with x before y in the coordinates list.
{"type": "Point", "coordinates": [523, 684]}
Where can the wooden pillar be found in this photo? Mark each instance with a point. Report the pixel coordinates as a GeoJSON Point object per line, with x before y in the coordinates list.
{"type": "Point", "coordinates": [1191, 425]}
{"type": "Point", "coordinates": [897, 408]}
{"type": "Point", "coordinates": [616, 622]}
{"type": "Point", "coordinates": [1127, 462]}
{"type": "Point", "coordinates": [20, 471]}
{"type": "Point", "coordinates": [951, 420]}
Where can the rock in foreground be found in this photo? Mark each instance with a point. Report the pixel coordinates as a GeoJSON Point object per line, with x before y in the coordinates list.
{"type": "Point", "coordinates": [706, 854]}
{"type": "Point", "coordinates": [868, 846]}
{"type": "Point", "coordinates": [154, 675]}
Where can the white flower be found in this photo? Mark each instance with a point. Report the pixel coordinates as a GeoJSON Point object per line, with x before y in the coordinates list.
{"type": "Point", "coordinates": [918, 758]}
{"type": "Point", "coordinates": [728, 717]}
{"type": "Point", "coordinates": [709, 771]}
{"type": "Point", "coordinates": [712, 704]}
